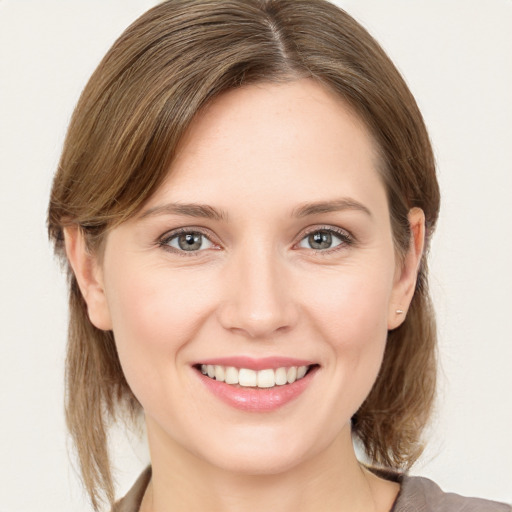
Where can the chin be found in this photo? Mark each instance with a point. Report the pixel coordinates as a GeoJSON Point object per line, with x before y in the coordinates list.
{"type": "Point", "coordinates": [259, 451]}
{"type": "Point", "coordinates": [258, 462]}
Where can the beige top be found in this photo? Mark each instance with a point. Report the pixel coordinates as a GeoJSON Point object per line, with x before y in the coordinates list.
{"type": "Point", "coordinates": [416, 494]}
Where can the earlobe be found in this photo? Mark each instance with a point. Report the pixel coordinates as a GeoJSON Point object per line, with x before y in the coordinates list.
{"type": "Point", "coordinates": [407, 273]}
{"type": "Point", "coordinates": [89, 276]}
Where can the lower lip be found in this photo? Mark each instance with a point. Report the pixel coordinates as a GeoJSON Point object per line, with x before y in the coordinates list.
{"type": "Point", "coordinates": [257, 399]}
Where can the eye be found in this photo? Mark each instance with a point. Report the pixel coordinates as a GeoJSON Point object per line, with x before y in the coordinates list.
{"type": "Point", "coordinates": [324, 239]}
{"type": "Point", "coordinates": [187, 241]}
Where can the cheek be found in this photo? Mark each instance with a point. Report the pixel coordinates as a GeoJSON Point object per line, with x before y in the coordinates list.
{"type": "Point", "coordinates": [154, 315]}
{"type": "Point", "coordinates": [153, 304]}
{"type": "Point", "coordinates": [351, 305]}
{"type": "Point", "coordinates": [351, 314]}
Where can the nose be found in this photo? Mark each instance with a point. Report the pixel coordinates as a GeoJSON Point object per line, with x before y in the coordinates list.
{"type": "Point", "coordinates": [258, 302]}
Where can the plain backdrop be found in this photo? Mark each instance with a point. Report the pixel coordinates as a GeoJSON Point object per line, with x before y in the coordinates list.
{"type": "Point", "coordinates": [456, 56]}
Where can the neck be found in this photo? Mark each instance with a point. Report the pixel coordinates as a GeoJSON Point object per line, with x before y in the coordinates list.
{"type": "Point", "coordinates": [332, 481]}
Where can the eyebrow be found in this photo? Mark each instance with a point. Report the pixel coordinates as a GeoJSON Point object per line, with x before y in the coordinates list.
{"type": "Point", "coordinates": [209, 212]}
{"type": "Point", "coordinates": [203, 211]}
{"type": "Point", "coordinates": [335, 205]}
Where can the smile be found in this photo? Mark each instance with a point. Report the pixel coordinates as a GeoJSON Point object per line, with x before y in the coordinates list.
{"type": "Point", "coordinates": [245, 377]}
{"type": "Point", "coordinates": [256, 385]}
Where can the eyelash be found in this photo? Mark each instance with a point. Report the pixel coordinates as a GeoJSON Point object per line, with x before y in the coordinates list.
{"type": "Point", "coordinates": [346, 239]}
{"type": "Point", "coordinates": [164, 241]}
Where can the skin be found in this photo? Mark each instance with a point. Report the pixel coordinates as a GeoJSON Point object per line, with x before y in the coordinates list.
{"type": "Point", "coordinates": [257, 288]}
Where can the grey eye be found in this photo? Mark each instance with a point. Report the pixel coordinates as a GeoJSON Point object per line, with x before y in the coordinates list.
{"type": "Point", "coordinates": [191, 241]}
{"type": "Point", "coordinates": [321, 240]}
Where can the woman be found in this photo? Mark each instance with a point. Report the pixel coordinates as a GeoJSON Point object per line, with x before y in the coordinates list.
{"type": "Point", "coordinates": [245, 200]}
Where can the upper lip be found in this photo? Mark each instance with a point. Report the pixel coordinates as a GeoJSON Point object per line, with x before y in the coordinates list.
{"type": "Point", "coordinates": [251, 363]}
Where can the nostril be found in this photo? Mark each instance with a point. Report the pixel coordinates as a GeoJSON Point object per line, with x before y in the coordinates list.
{"type": "Point", "coordinates": [247, 320]}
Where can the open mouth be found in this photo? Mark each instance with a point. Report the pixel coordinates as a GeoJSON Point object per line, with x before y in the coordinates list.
{"type": "Point", "coordinates": [245, 377]}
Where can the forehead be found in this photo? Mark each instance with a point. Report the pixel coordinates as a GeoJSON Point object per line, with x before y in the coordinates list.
{"type": "Point", "coordinates": [278, 140]}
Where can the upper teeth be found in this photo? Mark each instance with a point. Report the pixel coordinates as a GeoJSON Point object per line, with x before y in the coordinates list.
{"type": "Point", "coordinates": [253, 378]}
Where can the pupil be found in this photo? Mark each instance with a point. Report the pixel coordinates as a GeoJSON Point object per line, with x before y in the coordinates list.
{"type": "Point", "coordinates": [190, 241]}
{"type": "Point", "coordinates": [320, 240]}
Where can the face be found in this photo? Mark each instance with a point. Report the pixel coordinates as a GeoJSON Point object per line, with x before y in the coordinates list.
{"type": "Point", "coordinates": [266, 257]}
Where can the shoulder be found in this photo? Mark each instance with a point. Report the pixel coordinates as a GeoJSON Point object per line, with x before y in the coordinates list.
{"type": "Point", "coordinates": [131, 502]}
{"type": "Point", "coordinates": [419, 494]}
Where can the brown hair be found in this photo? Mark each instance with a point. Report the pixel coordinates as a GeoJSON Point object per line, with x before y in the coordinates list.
{"type": "Point", "coordinates": [121, 141]}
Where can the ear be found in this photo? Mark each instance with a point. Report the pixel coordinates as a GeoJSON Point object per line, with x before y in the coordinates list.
{"type": "Point", "coordinates": [407, 272]}
{"type": "Point", "coordinates": [89, 276]}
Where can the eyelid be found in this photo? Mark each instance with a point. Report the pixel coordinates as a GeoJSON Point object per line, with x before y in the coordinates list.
{"type": "Point", "coordinates": [345, 235]}
{"type": "Point", "coordinates": [163, 240]}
